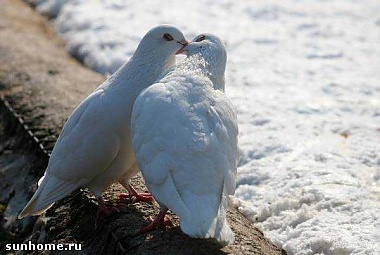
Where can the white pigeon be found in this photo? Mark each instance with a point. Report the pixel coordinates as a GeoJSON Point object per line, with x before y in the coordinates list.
{"type": "Point", "coordinates": [185, 134]}
{"type": "Point", "coordinates": [95, 147]}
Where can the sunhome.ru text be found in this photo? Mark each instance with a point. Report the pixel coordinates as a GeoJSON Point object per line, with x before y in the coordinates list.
{"type": "Point", "coordinates": [43, 247]}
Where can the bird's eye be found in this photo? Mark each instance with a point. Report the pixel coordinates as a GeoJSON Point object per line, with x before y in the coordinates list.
{"type": "Point", "coordinates": [168, 37]}
{"type": "Point", "coordinates": [201, 38]}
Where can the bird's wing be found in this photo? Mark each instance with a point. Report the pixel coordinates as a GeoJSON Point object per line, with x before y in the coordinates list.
{"type": "Point", "coordinates": [86, 147]}
{"type": "Point", "coordinates": [185, 141]}
{"type": "Point", "coordinates": [224, 118]}
{"type": "Point", "coordinates": [87, 144]}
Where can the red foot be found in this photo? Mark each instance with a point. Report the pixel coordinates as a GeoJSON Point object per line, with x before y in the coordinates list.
{"type": "Point", "coordinates": [161, 220]}
{"type": "Point", "coordinates": [133, 196]}
{"type": "Point", "coordinates": [104, 211]}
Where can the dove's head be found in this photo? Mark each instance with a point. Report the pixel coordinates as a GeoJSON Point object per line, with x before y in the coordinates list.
{"type": "Point", "coordinates": [210, 49]}
{"type": "Point", "coordinates": [157, 49]}
{"type": "Point", "coordinates": [163, 40]}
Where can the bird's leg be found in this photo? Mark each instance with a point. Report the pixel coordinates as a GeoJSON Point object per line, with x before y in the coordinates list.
{"type": "Point", "coordinates": [134, 196]}
{"type": "Point", "coordinates": [161, 220]}
{"type": "Point", "coordinates": [104, 210]}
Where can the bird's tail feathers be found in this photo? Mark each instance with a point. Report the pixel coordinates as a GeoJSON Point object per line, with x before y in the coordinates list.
{"type": "Point", "coordinates": [208, 218]}
{"type": "Point", "coordinates": [50, 190]}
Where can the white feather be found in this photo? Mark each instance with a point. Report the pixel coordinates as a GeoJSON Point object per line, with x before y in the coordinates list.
{"type": "Point", "coordinates": [95, 149]}
{"type": "Point", "coordinates": [185, 139]}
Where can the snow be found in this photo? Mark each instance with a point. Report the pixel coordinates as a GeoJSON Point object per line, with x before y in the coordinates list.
{"type": "Point", "coordinates": [304, 77]}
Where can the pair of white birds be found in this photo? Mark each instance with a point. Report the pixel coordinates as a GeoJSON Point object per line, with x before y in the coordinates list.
{"type": "Point", "coordinates": [173, 122]}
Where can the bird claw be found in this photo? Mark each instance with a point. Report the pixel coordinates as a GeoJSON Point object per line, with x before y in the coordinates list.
{"type": "Point", "coordinates": [138, 197]}
{"type": "Point", "coordinates": [105, 212]}
{"type": "Point", "coordinates": [155, 223]}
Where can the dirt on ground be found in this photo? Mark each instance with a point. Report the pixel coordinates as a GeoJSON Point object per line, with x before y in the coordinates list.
{"type": "Point", "coordinates": [40, 85]}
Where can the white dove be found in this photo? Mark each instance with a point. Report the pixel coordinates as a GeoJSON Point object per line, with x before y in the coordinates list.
{"type": "Point", "coordinates": [184, 132]}
{"type": "Point", "coordinates": [95, 147]}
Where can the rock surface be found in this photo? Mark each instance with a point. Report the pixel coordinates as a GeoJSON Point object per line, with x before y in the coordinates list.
{"type": "Point", "coordinates": [40, 85]}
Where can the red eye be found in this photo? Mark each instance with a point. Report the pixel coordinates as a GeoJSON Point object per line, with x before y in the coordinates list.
{"type": "Point", "coordinates": [168, 37]}
{"type": "Point", "coordinates": [200, 38]}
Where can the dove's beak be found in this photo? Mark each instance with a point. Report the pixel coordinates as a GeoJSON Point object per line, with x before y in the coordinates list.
{"type": "Point", "coordinates": [184, 44]}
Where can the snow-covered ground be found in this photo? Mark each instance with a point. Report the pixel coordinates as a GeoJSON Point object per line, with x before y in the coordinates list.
{"type": "Point", "coordinates": [304, 77]}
